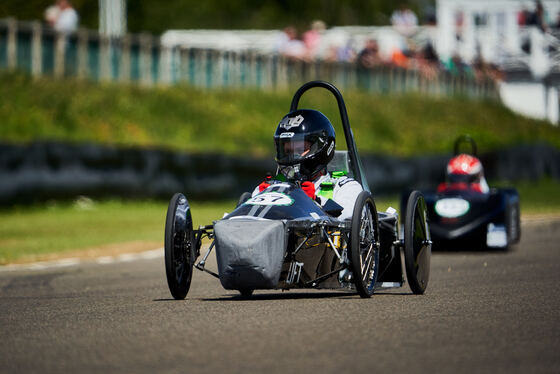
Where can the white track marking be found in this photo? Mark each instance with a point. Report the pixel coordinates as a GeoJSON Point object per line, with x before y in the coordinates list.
{"type": "Point", "coordinates": [66, 262]}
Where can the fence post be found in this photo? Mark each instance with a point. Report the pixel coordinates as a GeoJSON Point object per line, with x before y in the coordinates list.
{"type": "Point", "coordinates": [104, 59]}
{"type": "Point", "coordinates": [197, 71]}
{"type": "Point", "coordinates": [226, 62]}
{"type": "Point", "coordinates": [282, 73]}
{"type": "Point", "coordinates": [59, 49]}
{"type": "Point", "coordinates": [192, 63]}
{"type": "Point", "coordinates": [183, 73]}
{"type": "Point", "coordinates": [36, 50]}
{"type": "Point", "coordinates": [124, 75]}
{"type": "Point", "coordinates": [146, 59]}
{"type": "Point", "coordinates": [236, 70]}
{"type": "Point", "coordinates": [11, 23]}
{"type": "Point", "coordinates": [267, 72]}
{"type": "Point", "coordinates": [165, 65]}
{"type": "Point", "coordinates": [219, 68]}
{"type": "Point", "coordinates": [82, 53]}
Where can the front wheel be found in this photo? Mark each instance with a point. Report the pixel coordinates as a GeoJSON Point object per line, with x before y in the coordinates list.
{"type": "Point", "coordinates": [417, 243]}
{"type": "Point", "coordinates": [364, 245]}
{"type": "Point", "coordinates": [246, 292]}
{"type": "Point", "coordinates": [179, 248]}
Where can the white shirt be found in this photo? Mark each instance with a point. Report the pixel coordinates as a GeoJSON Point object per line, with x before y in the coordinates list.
{"type": "Point", "coordinates": [345, 193]}
{"type": "Point", "coordinates": [67, 21]}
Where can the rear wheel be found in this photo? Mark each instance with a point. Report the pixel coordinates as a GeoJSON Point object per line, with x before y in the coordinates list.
{"type": "Point", "coordinates": [513, 222]}
{"type": "Point", "coordinates": [417, 243]}
{"type": "Point", "coordinates": [364, 245]}
{"type": "Point", "coordinates": [179, 248]}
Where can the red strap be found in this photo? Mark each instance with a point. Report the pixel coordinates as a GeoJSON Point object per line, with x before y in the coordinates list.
{"type": "Point", "coordinates": [309, 189]}
{"type": "Point", "coordinates": [263, 186]}
{"type": "Point", "coordinates": [442, 187]}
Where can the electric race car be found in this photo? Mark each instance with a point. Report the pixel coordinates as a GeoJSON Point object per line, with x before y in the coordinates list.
{"type": "Point", "coordinates": [465, 213]}
{"type": "Point", "coordinates": [282, 239]}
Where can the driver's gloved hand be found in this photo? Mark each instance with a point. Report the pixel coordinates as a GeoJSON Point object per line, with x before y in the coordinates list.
{"type": "Point", "coordinates": [265, 184]}
{"type": "Point", "coordinates": [309, 189]}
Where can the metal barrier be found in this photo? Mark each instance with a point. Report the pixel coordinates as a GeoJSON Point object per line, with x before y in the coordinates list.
{"type": "Point", "coordinates": [29, 47]}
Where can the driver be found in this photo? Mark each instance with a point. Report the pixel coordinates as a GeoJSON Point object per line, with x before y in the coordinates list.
{"type": "Point", "coordinates": [305, 144]}
{"type": "Point", "coordinates": [464, 172]}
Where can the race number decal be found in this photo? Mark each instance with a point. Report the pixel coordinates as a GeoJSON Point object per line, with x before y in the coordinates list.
{"type": "Point", "coordinates": [271, 198]}
{"type": "Point", "coordinates": [451, 208]}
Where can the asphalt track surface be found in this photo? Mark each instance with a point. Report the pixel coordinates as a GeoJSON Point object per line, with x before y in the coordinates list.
{"type": "Point", "coordinates": [484, 312]}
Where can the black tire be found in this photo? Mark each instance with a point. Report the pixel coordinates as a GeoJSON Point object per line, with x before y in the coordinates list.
{"type": "Point", "coordinates": [244, 197]}
{"type": "Point", "coordinates": [513, 221]}
{"type": "Point", "coordinates": [179, 247]}
{"type": "Point", "coordinates": [417, 243]}
{"type": "Point", "coordinates": [364, 245]}
{"type": "Point", "coordinates": [246, 293]}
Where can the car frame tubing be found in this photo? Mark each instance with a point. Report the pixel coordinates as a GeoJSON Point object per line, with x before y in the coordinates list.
{"type": "Point", "coordinates": [355, 161]}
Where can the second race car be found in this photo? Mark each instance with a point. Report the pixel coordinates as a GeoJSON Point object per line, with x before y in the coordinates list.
{"type": "Point", "coordinates": [464, 212]}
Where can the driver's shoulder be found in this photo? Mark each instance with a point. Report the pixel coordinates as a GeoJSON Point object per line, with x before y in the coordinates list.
{"type": "Point", "coordinates": [344, 181]}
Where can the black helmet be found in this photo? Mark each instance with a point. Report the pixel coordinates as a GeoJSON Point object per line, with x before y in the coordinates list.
{"type": "Point", "coordinates": [305, 142]}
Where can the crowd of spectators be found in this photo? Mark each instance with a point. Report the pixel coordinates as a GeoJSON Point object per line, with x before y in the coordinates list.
{"type": "Point", "coordinates": [422, 58]}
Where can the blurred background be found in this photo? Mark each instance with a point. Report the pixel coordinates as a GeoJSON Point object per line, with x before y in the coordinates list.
{"type": "Point", "coordinates": [133, 101]}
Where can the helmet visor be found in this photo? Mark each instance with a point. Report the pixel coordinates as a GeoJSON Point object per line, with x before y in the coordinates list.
{"type": "Point", "coordinates": [463, 178]}
{"type": "Point", "coordinates": [293, 148]}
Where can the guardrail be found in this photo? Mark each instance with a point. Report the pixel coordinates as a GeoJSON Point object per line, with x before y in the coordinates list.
{"type": "Point", "coordinates": [30, 47]}
{"type": "Point", "coordinates": [41, 171]}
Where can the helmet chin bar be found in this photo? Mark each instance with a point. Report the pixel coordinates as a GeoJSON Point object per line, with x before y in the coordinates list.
{"type": "Point", "coordinates": [294, 173]}
{"type": "Point", "coordinates": [291, 172]}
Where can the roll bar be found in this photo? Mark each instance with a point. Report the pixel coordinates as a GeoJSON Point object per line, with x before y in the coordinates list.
{"type": "Point", "coordinates": [465, 139]}
{"type": "Point", "coordinates": [355, 162]}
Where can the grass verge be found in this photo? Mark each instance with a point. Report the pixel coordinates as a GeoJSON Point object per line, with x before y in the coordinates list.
{"type": "Point", "coordinates": [188, 119]}
{"type": "Point", "coordinates": [98, 228]}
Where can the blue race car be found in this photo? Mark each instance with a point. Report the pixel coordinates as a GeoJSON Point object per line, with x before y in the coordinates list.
{"type": "Point", "coordinates": [465, 213]}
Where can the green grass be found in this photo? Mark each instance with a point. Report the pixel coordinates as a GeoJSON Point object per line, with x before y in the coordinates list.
{"type": "Point", "coordinates": [27, 233]}
{"type": "Point", "coordinates": [32, 232]}
{"type": "Point", "coordinates": [243, 121]}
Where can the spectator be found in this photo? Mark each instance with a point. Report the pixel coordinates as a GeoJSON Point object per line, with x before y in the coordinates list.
{"type": "Point", "coordinates": [404, 21]}
{"type": "Point", "coordinates": [347, 52]}
{"type": "Point", "coordinates": [290, 46]}
{"type": "Point", "coordinates": [67, 20]}
{"type": "Point", "coordinates": [312, 38]}
{"type": "Point", "coordinates": [399, 59]}
{"type": "Point", "coordinates": [369, 56]}
{"type": "Point", "coordinates": [342, 51]}
{"type": "Point", "coordinates": [427, 61]}
{"type": "Point", "coordinates": [459, 22]}
{"type": "Point", "coordinates": [51, 14]}
{"type": "Point", "coordinates": [456, 66]}
{"type": "Point", "coordinates": [537, 18]}
{"type": "Point", "coordinates": [523, 17]}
